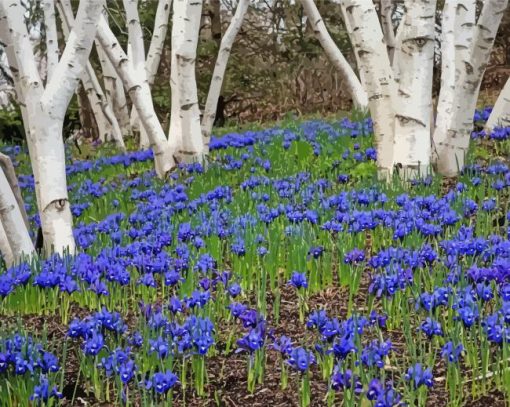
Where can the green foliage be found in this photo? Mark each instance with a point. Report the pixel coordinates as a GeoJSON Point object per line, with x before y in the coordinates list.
{"type": "Point", "coordinates": [11, 125]}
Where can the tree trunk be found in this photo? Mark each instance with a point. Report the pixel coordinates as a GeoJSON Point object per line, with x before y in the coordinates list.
{"type": "Point", "coordinates": [5, 248]}
{"type": "Point", "coordinates": [219, 71]}
{"type": "Point", "coordinates": [13, 224]}
{"type": "Point", "coordinates": [387, 27]}
{"type": "Point", "coordinates": [158, 39]}
{"type": "Point", "coordinates": [215, 16]}
{"type": "Point", "coordinates": [500, 116]}
{"type": "Point", "coordinates": [8, 169]}
{"type": "Point", "coordinates": [451, 152]}
{"type": "Point", "coordinates": [50, 29]}
{"type": "Point", "coordinates": [92, 128]}
{"type": "Point", "coordinates": [448, 74]}
{"type": "Point", "coordinates": [351, 81]}
{"type": "Point", "coordinates": [141, 97]}
{"type": "Point", "coordinates": [106, 122]}
{"type": "Point", "coordinates": [185, 134]}
{"type": "Point", "coordinates": [154, 56]}
{"type": "Point", "coordinates": [368, 42]}
{"type": "Point", "coordinates": [46, 108]}
{"type": "Point", "coordinates": [414, 100]}
{"type": "Point", "coordinates": [114, 92]}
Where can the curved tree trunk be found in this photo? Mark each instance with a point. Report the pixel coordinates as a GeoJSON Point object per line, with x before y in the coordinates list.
{"type": "Point", "coordinates": [13, 224]}
{"type": "Point", "coordinates": [45, 111]}
{"type": "Point", "coordinates": [8, 169]}
{"type": "Point", "coordinates": [5, 248]}
{"type": "Point", "coordinates": [352, 83]}
{"type": "Point", "coordinates": [219, 71]}
{"type": "Point", "coordinates": [107, 124]}
{"type": "Point", "coordinates": [500, 116]}
{"type": "Point", "coordinates": [141, 97]}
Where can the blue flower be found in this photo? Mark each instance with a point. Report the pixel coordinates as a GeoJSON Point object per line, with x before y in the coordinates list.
{"type": "Point", "coordinates": [42, 392]}
{"type": "Point", "coordinates": [431, 328]}
{"type": "Point", "coordinates": [162, 382]}
{"type": "Point", "coordinates": [234, 290]}
{"type": "Point", "coordinates": [419, 376]}
{"type": "Point", "coordinates": [298, 280]}
{"type": "Point", "coordinates": [301, 359]}
{"type": "Point", "coordinates": [451, 352]}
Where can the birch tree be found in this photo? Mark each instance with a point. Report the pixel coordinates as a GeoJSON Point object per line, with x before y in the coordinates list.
{"type": "Point", "coordinates": [44, 110]}
{"type": "Point", "coordinates": [155, 50]}
{"type": "Point", "coordinates": [500, 115]}
{"type": "Point", "coordinates": [185, 134]}
{"type": "Point", "coordinates": [451, 146]}
{"type": "Point", "coordinates": [351, 81]}
{"type": "Point", "coordinates": [14, 231]}
{"type": "Point", "coordinates": [109, 129]}
{"type": "Point", "coordinates": [139, 92]}
{"type": "Point", "coordinates": [219, 70]}
{"type": "Point", "coordinates": [373, 62]}
{"type": "Point", "coordinates": [400, 96]}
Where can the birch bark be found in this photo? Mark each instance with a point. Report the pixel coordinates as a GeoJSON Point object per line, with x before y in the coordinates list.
{"type": "Point", "coordinates": [5, 248]}
{"type": "Point", "coordinates": [50, 28]}
{"type": "Point", "coordinates": [351, 81]}
{"type": "Point", "coordinates": [452, 151]}
{"type": "Point", "coordinates": [185, 134]}
{"type": "Point", "coordinates": [500, 115]}
{"type": "Point", "coordinates": [374, 64]}
{"type": "Point", "coordinates": [45, 111]}
{"type": "Point", "coordinates": [414, 101]}
{"type": "Point", "coordinates": [139, 92]}
{"type": "Point", "coordinates": [219, 71]}
{"type": "Point", "coordinates": [13, 224]}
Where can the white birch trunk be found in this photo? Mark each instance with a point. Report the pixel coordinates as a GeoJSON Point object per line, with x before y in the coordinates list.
{"type": "Point", "coordinates": [219, 71]}
{"type": "Point", "coordinates": [136, 56]}
{"type": "Point", "coordinates": [158, 39]}
{"type": "Point", "coordinates": [5, 248]}
{"type": "Point", "coordinates": [8, 169]}
{"type": "Point", "coordinates": [114, 91]}
{"type": "Point", "coordinates": [50, 28]}
{"type": "Point", "coordinates": [13, 224]}
{"type": "Point", "coordinates": [45, 108]}
{"type": "Point", "coordinates": [368, 42]}
{"type": "Point", "coordinates": [154, 56]}
{"type": "Point", "coordinates": [448, 74]}
{"type": "Point", "coordinates": [465, 19]}
{"type": "Point", "coordinates": [107, 123]}
{"type": "Point", "coordinates": [185, 134]}
{"type": "Point", "coordinates": [413, 106]}
{"type": "Point", "coordinates": [451, 152]}
{"type": "Point", "coordinates": [140, 95]}
{"type": "Point", "coordinates": [351, 81]}
{"type": "Point", "coordinates": [500, 115]}
{"type": "Point", "coordinates": [387, 27]}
